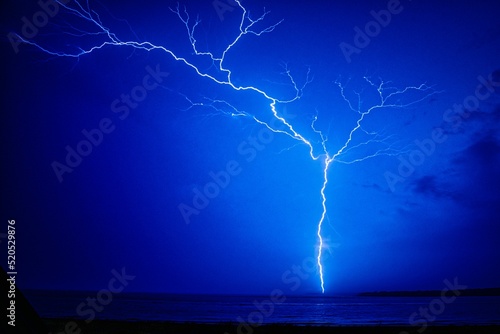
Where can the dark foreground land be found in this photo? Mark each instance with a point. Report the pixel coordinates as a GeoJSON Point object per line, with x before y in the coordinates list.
{"type": "Point", "coordinates": [56, 326]}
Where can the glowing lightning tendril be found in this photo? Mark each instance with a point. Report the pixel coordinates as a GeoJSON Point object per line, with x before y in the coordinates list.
{"type": "Point", "coordinates": [245, 28]}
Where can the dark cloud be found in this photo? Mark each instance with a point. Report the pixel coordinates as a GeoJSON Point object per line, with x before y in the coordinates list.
{"type": "Point", "coordinates": [487, 119]}
{"type": "Point", "coordinates": [495, 76]}
{"type": "Point", "coordinates": [376, 186]}
{"type": "Point", "coordinates": [430, 185]}
{"type": "Point", "coordinates": [485, 151]}
{"type": "Point", "coordinates": [477, 176]}
{"type": "Point", "coordinates": [426, 185]}
{"type": "Point", "coordinates": [467, 121]}
{"type": "Point", "coordinates": [470, 177]}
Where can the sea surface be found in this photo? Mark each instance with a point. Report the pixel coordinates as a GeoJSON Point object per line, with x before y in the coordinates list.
{"type": "Point", "coordinates": [314, 310]}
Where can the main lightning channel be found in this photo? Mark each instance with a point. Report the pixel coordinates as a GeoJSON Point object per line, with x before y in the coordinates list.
{"type": "Point", "coordinates": [246, 27]}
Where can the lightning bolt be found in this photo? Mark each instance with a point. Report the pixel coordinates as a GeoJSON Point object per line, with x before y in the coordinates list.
{"type": "Point", "coordinates": [92, 26]}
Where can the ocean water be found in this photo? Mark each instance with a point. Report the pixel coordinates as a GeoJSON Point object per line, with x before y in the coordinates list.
{"type": "Point", "coordinates": [260, 310]}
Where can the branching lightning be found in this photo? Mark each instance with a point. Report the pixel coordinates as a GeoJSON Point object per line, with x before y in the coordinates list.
{"type": "Point", "coordinates": [90, 18]}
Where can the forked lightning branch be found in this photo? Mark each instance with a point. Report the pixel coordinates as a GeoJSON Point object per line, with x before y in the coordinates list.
{"type": "Point", "coordinates": [88, 24]}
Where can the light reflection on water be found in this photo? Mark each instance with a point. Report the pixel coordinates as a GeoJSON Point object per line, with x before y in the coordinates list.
{"type": "Point", "coordinates": [294, 310]}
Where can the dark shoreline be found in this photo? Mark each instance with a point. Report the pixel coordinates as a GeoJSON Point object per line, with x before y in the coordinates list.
{"type": "Point", "coordinates": [486, 292]}
{"type": "Point", "coordinates": [56, 326]}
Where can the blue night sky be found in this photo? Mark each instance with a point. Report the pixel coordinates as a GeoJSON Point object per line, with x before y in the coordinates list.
{"type": "Point", "coordinates": [391, 224]}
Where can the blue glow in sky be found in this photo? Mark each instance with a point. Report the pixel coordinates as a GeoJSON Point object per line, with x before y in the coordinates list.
{"type": "Point", "coordinates": [130, 156]}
